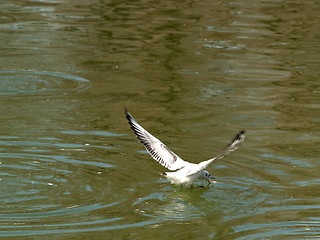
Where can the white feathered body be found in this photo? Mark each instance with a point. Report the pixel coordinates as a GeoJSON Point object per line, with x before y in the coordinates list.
{"type": "Point", "coordinates": [182, 177]}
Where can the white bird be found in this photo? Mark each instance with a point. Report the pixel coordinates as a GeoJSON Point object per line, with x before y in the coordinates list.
{"type": "Point", "coordinates": [185, 172]}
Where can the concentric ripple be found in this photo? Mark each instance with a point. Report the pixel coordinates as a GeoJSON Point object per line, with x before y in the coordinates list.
{"type": "Point", "coordinates": [20, 82]}
{"type": "Point", "coordinates": [47, 186]}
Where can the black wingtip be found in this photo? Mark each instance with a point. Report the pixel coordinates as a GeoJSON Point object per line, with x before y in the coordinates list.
{"type": "Point", "coordinates": [128, 115]}
{"type": "Point", "coordinates": [132, 122]}
{"type": "Point", "coordinates": [242, 134]}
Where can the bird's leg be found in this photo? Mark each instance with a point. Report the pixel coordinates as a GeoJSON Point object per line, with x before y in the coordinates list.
{"type": "Point", "coordinates": [208, 183]}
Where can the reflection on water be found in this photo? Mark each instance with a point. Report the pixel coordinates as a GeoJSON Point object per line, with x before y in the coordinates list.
{"type": "Point", "coordinates": [194, 73]}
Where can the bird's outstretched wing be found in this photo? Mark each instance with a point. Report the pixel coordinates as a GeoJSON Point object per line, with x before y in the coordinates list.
{"type": "Point", "coordinates": [158, 151]}
{"type": "Point", "coordinates": [235, 143]}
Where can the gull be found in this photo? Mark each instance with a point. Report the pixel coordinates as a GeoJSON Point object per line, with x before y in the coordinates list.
{"type": "Point", "coordinates": [185, 172]}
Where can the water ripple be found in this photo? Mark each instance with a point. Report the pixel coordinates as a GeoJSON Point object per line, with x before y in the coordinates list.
{"type": "Point", "coordinates": [79, 230]}
{"type": "Point", "coordinates": [296, 229]}
{"type": "Point", "coordinates": [40, 190]}
{"type": "Point", "coordinates": [20, 82]}
{"type": "Point", "coordinates": [67, 211]}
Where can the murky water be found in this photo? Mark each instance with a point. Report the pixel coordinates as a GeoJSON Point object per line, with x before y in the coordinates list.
{"type": "Point", "coordinates": [191, 72]}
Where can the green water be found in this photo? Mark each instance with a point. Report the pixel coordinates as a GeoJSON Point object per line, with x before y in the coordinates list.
{"type": "Point", "coordinates": [193, 73]}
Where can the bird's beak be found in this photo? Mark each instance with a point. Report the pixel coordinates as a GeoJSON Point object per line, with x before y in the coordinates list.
{"type": "Point", "coordinates": [212, 179]}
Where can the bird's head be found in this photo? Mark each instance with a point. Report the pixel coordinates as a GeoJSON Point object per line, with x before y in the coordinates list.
{"type": "Point", "coordinates": [206, 175]}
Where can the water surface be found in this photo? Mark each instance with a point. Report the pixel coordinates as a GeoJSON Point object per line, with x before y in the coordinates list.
{"type": "Point", "coordinates": [193, 73]}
